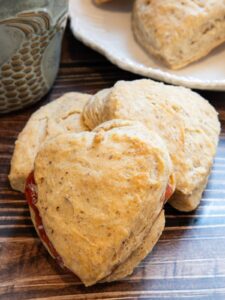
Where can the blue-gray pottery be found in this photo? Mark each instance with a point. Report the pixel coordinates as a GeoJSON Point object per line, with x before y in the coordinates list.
{"type": "Point", "coordinates": [30, 46]}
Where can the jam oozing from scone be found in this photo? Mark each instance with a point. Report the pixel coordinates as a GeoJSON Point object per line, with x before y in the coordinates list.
{"type": "Point", "coordinates": [169, 192]}
{"type": "Point", "coordinates": [32, 198]}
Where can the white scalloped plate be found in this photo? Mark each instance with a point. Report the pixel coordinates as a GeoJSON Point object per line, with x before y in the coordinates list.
{"type": "Point", "coordinates": [107, 29]}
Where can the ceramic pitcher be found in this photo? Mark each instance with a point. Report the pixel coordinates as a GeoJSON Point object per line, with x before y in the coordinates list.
{"type": "Point", "coordinates": [30, 46]}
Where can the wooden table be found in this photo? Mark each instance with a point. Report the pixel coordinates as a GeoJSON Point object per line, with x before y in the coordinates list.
{"type": "Point", "coordinates": [188, 261]}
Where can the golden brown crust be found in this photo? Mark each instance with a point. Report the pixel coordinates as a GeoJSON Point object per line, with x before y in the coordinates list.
{"type": "Point", "coordinates": [176, 32]}
{"type": "Point", "coordinates": [138, 100]}
{"type": "Point", "coordinates": [190, 202]}
{"type": "Point", "coordinates": [59, 116]}
{"type": "Point", "coordinates": [141, 252]}
{"type": "Point", "coordinates": [105, 190]}
{"type": "Point", "coordinates": [187, 123]}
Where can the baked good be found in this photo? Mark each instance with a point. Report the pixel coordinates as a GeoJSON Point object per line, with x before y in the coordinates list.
{"type": "Point", "coordinates": [106, 189]}
{"type": "Point", "coordinates": [149, 241]}
{"type": "Point", "coordinates": [102, 1]}
{"type": "Point", "coordinates": [179, 32]}
{"type": "Point", "coordinates": [59, 116]}
{"type": "Point", "coordinates": [187, 123]}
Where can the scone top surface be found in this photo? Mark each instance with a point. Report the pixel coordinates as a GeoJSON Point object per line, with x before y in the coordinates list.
{"type": "Point", "coordinates": [138, 100]}
{"type": "Point", "coordinates": [57, 117]}
{"type": "Point", "coordinates": [187, 123]}
{"type": "Point", "coordinates": [179, 32]}
{"type": "Point", "coordinates": [99, 193]}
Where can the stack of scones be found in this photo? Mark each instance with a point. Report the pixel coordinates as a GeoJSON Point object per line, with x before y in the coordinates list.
{"type": "Point", "coordinates": [98, 169]}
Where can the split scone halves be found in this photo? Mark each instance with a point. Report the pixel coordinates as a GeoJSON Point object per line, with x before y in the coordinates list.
{"type": "Point", "coordinates": [179, 32]}
{"type": "Point", "coordinates": [187, 123]}
{"type": "Point", "coordinates": [106, 189]}
{"type": "Point", "coordinates": [57, 117]}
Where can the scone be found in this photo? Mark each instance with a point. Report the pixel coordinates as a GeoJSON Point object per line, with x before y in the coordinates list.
{"type": "Point", "coordinates": [179, 32]}
{"type": "Point", "coordinates": [59, 116]}
{"type": "Point", "coordinates": [187, 123]}
{"type": "Point", "coordinates": [102, 1]}
{"type": "Point", "coordinates": [106, 189]}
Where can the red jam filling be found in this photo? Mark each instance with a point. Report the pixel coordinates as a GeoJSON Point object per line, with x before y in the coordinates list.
{"type": "Point", "coordinates": [32, 198]}
{"type": "Point", "coordinates": [168, 193]}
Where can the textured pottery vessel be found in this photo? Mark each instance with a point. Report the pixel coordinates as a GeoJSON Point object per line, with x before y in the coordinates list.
{"type": "Point", "coordinates": [30, 46]}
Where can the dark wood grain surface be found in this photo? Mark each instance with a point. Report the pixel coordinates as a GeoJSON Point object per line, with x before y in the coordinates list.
{"type": "Point", "coordinates": [189, 259]}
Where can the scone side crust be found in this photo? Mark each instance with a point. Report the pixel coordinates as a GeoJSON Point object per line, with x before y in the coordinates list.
{"type": "Point", "coordinates": [189, 202]}
{"type": "Point", "coordinates": [141, 252]}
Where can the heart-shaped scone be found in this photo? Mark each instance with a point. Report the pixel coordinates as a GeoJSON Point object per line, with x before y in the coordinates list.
{"type": "Point", "coordinates": [100, 197]}
{"type": "Point", "coordinates": [187, 123]}
{"type": "Point", "coordinates": [179, 32]}
{"type": "Point", "coordinates": [59, 116]}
